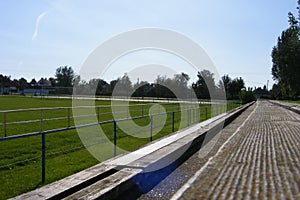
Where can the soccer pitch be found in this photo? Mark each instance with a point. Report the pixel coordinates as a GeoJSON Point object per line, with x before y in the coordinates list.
{"type": "Point", "coordinates": [20, 163]}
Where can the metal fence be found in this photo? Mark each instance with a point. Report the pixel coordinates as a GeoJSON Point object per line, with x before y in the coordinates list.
{"type": "Point", "coordinates": [192, 116]}
{"type": "Point", "coordinates": [38, 115]}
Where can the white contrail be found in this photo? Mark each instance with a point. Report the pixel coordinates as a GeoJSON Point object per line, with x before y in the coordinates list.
{"type": "Point", "coordinates": [37, 24]}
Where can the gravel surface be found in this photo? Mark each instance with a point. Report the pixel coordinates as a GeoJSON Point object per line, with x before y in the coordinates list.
{"type": "Point", "coordinates": [261, 162]}
{"type": "Point", "coordinates": [172, 183]}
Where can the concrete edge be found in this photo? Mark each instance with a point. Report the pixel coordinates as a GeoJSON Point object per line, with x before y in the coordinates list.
{"type": "Point", "coordinates": [291, 107]}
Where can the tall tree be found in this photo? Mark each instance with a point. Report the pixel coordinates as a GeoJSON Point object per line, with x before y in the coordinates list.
{"type": "Point", "coordinates": [180, 82]}
{"type": "Point", "coordinates": [33, 83]}
{"type": "Point", "coordinates": [204, 85]}
{"type": "Point", "coordinates": [5, 82]}
{"type": "Point", "coordinates": [141, 89]}
{"type": "Point", "coordinates": [23, 84]}
{"type": "Point", "coordinates": [235, 87]}
{"type": "Point", "coordinates": [162, 86]}
{"type": "Point", "coordinates": [64, 76]}
{"type": "Point", "coordinates": [226, 80]}
{"type": "Point", "coordinates": [124, 86]}
{"type": "Point", "coordinates": [52, 81]}
{"type": "Point", "coordinates": [298, 11]}
{"type": "Point", "coordinates": [15, 83]}
{"type": "Point", "coordinates": [286, 59]}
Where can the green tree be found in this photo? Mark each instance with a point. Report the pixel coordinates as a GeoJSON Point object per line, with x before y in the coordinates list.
{"type": "Point", "coordinates": [64, 76]}
{"type": "Point", "coordinates": [112, 85]}
{"type": "Point", "coordinates": [162, 87]}
{"type": "Point", "coordinates": [235, 87]}
{"type": "Point", "coordinates": [5, 82]}
{"type": "Point", "coordinates": [99, 85]}
{"type": "Point", "coordinates": [275, 92]}
{"type": "Point", "coordinates": [247, 96]}
{"type": "Point", "coordinates": [124, 86]}
{"type": "Point", "coordinates": [141, 89]}
{"type": "Point", "coordinates": [15, 83]}
{"type": "Point", "coordinates": [33, 82]}
{"type": "Point", "coordinates": [286, 59]}
{"type": "Point", "coordinates": [226, 80]}
{"type": "Point", "coordinates": [298, 11]}
{"type": "Point", "coordinates": [52, 81]}
{"type": "Point", "coordinates": [23, 84]}
{"type": "Point", "coordinates": [204, 85]}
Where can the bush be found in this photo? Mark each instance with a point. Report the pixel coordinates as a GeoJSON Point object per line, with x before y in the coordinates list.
{"type": "Point", "coordinates": [247, 96]}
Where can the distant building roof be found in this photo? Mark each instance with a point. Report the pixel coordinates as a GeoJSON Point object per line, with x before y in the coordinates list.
{"type": "Point", "coordinates": [43, 82]}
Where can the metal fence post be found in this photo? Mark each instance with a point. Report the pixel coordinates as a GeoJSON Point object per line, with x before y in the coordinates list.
{"type": "Point", "coordinates": [43, 157]}
{"type": "Point", "coordinates": [151, 127]}
{"type": "Point", "coordinates": [115, 138]}
{"type": "Point", "coordinates": [4, 123]}
{"type": "Point", "coordinates": [198, 114]}
{"type": "Point", "coordinates": [221, 108]}
{"type": "Point", "coordinates": [43, 148]}
{"type": "Point", "coordinates": [99, 113]}
{"type": "Point", "coordinates": [188, 116]}
{"type": "Point", "coordinates": [216, 110]}
{"type": "Point", "coordinates": [193, 115]}
{"type": "Point", "coordinates": [142, 109]}
{"type": "Point", "coordinates": [173, 117]}
{"type": "Point", "coordinates": [69, 115]}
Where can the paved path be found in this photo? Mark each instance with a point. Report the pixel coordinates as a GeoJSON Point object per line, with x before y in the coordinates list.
{"type": "Point", "coordinates": [260, 160]}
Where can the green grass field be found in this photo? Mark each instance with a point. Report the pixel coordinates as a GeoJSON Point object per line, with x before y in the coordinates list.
{"type": "Point", "coordinates": [65, 153]}
{"type": "Point", "coordinates": [290, 101]}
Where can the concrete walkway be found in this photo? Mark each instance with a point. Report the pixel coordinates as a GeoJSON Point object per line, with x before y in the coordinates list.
{"type": "Point", "coordinates": [261, 160]}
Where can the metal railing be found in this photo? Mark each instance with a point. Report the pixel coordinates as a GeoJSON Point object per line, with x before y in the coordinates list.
{"type": "Point", "coordinates": [69, 117]}
{"type": "Point", "coordinates": [192, 116]}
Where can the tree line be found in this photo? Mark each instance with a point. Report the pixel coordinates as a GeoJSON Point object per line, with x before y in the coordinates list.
{"type": "Point", "coordinates": [286, 61]}
{"type": "Point", "coordinates": [64, 77]}
{"type": "Point", "coordinates": [162, 87]}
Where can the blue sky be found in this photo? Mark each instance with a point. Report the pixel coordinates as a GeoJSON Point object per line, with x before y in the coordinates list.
{"type": "Point", "coordinates": [36, 37]}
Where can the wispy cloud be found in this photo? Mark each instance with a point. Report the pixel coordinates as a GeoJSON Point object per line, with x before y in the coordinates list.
{"type": "Point", "coordinates": [37, 24]}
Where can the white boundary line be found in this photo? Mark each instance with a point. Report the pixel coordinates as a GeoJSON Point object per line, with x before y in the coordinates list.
{"type": "Point", "coordinates": [188, 184]}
